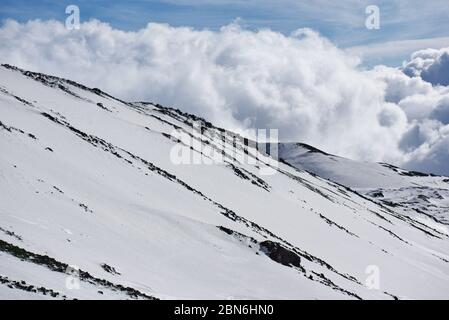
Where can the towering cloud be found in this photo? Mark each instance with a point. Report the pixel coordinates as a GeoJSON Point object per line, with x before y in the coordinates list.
{"type": "Point", "coordinates": [301, 84]}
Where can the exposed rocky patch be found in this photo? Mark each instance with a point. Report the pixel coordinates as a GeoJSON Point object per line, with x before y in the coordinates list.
{"type": "Point", "coordinates": [61, 267]}
{"type": "Point", "coordinates": [22, 285]}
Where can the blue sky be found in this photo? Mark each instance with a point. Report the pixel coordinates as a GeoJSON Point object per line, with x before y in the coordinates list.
{"type": "Point", "coordinates": [406, 25]}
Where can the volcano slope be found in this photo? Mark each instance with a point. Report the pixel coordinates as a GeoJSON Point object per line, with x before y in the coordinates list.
{"type": "Point", "coordinates": [95, 204]}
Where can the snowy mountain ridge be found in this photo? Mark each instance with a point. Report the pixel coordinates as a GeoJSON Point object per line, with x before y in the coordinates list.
{"type": "Point", "coordinates": [93, 207]}
{"type": "Point", "coordinates": [420, 194]}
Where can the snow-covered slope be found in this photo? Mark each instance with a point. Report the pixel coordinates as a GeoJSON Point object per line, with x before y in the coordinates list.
{"type": "Point", "coordinates": [419, 194]}
{"type": "Point", "coordinates": [88, 180]}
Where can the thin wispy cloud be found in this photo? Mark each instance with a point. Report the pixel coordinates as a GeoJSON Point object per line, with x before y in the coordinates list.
{"type": "Point", "coordinates": [387, 52]}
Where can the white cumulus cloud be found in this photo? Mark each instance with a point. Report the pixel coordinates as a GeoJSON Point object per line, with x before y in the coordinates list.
{"type": "Point", "coordinates": [301, 84]}
{"type": "Point", "coordinates": [431, 65]}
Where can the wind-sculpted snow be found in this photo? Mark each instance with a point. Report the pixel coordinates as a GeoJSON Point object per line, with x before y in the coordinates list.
{"type": "Point", "coordinates": [88, 183]}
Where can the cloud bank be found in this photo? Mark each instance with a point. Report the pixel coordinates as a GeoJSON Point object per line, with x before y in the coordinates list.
{"type": "Point", "coordinates": [301, 84]}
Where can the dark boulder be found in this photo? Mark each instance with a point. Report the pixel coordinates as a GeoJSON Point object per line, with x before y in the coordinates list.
{"type": "Point", "coordinates": [280, 254]}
